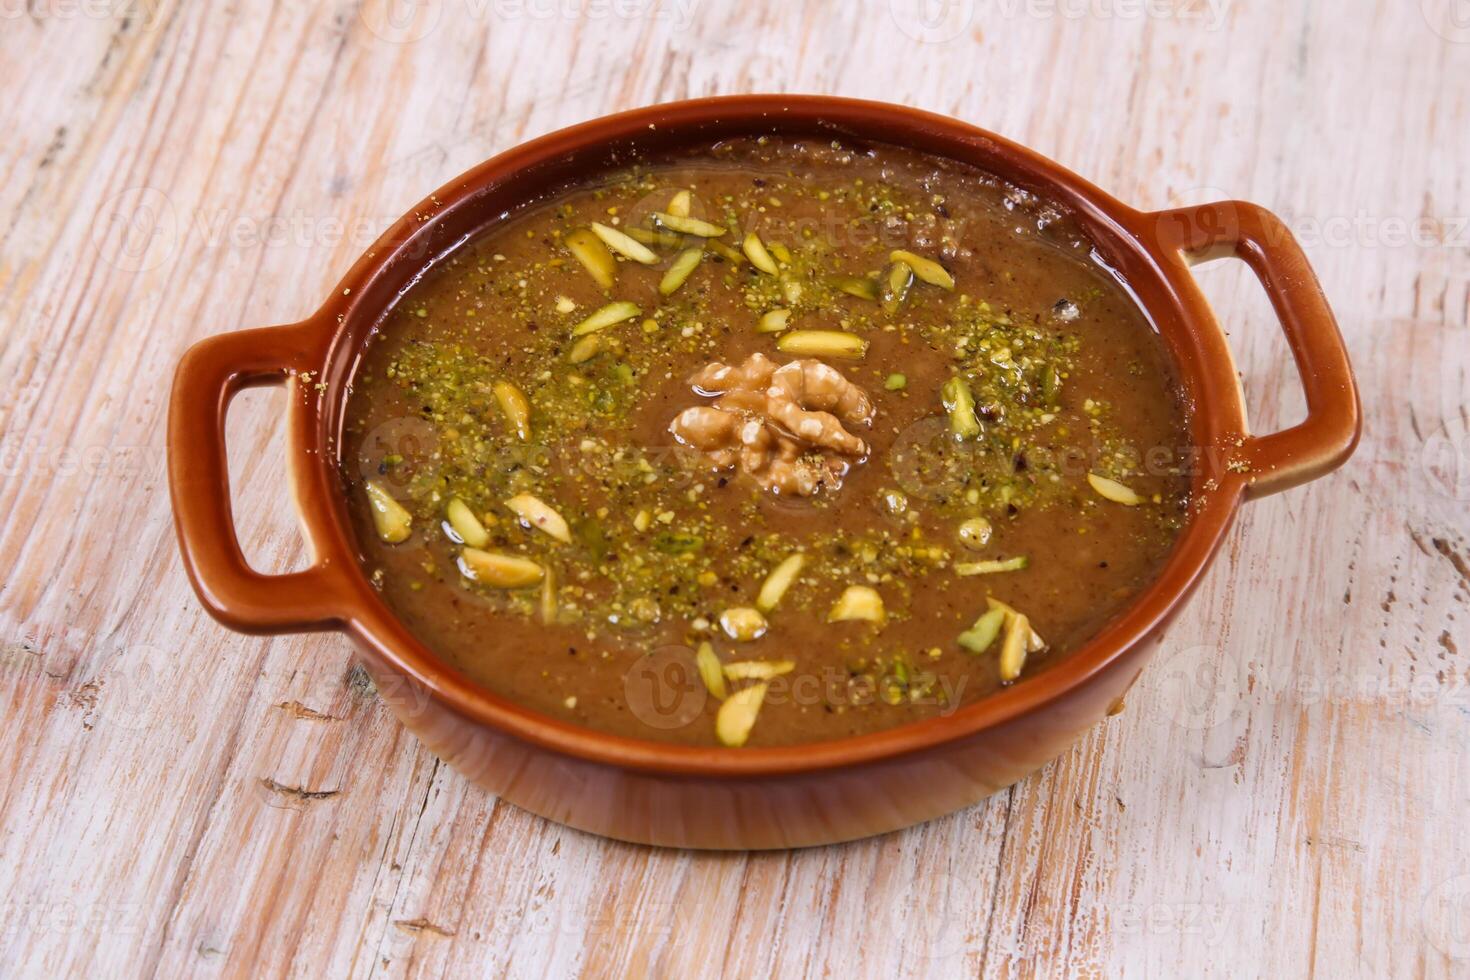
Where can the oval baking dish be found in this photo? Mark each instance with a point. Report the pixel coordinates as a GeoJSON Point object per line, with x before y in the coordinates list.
{"type": "Point", "coordinates": [760, 797]}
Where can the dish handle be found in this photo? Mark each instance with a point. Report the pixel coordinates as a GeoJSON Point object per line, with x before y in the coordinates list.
{"type": "Point", "coordinates": [1326, 438]}
{"type": "Point", "coordinates": [208, 377]}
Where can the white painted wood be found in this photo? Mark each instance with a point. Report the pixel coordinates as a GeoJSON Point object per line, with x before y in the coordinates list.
{"type": "Point", "coordinates": [1286, 791]}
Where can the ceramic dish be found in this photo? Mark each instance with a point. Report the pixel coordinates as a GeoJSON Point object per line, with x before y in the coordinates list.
{"type": "Point", "coordinates": [753, 797]}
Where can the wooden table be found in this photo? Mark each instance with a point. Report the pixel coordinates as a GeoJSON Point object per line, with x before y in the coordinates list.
{"type": "Point", "coordinates": [1286, 792]}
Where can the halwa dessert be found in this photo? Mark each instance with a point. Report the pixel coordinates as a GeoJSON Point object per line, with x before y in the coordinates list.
{"type": "Point", "coordinates": [773, 441]}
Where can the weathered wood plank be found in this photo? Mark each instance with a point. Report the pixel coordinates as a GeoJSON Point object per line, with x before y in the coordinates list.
{"type": "Point", "coordinates": [1283, 792]}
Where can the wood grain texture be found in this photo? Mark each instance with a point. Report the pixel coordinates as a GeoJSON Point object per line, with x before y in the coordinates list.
{"type": "Point", "coordinates": [1285, 793]}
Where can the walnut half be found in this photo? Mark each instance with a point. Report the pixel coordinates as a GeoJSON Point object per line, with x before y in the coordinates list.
{"type": "Point", "coordinates": [784, 425]}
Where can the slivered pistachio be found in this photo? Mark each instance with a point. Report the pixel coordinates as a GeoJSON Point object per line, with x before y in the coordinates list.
{"type": "Point", "coordinates": [390, 519]}
{"type": "Point", "coordinates": [683, 267]}
{"type": "Point", "coordinates": [1014, 647]}
{"type": "Point", "coordinates": [690, 226]}
{"type": "Point", "coordinates": [791, 289]}
{"type": "Point", "coordinates": [858, 602]}
{"type": "Point", "coordinates": [540, 515]}
{"type": "Point", "coordinates": [680, 204]}
{"type": "Point", "coordinates": [781, 252]}
{"type": "Point", "coordinates": [960, 405]}
{"type": "Point", "coordinates": [1114, 491]}
{"type": "Point", "coordinates": [1035, 643]}
{"type": "Point", "coordinates": [991, 567]}
{"type": "Point", "coordinates": [896, 286]}
{"type": "Point", "coordinates": [780, 579]}
{"type": "Point", "coordinates": [978, 638]}
{"type": "Point", "coordinates": [823, 343]}
{"type": "Point", "coordinates": [755, 250]}
{"type": "Point", "coordinates": [773, 321]}
{"type": "Point", "coordinates": [732, 255]}
{"type": "Point", "coordinates": [649, 236]}
{"type": "Point", "coordinates": [585, 349]}
{"type": "Point", "coordinates": [1051, 385]}
{"type": "Point", "coordinates": [613, 313]}
{"type": "Point", "coordinates": [743, 623]}
{"type": "Point", "coordinates": [895, 382]}
{"type": "Point", "coordinates": [498, 570]}
{"type": "Point", "coordinates": [548, 598]}
{"type": "Point", "coordinates": [589, 250]}
{"type": "Point", "coordinates": [758, 670]}
{"type": "Point", "coordinates": [515, 408]}
{"type": "Point", "coordinates": [926, 269]}
{"type": "Point", "coordinates": [710, 671]}
{"type": "Point", "coordinates": [627, 247]}
{"type": "Point", "coordinates": [860, 286]}
{"type": "Point", "coordinates": [737, 715]}
{"type": "Point", "coordinates": [465, 524]}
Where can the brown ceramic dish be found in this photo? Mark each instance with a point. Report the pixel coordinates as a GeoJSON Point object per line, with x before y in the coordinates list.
{"type": "Point", "coordinates": [755, 797]}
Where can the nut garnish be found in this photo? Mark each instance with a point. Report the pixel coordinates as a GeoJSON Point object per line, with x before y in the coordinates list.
{"type": "Point", "coordinates": [585, 348]}
{"type": "Point", "coordinates": [975, 533]}
{"type": "Point", "coordinates": [710, 671]}
{"type": "Point", "coordinates": [896, 286]}
{"type": "Point", "coordinates": [755, 250]}
{"type": "Point", "coordinates": [1114, 491]}
{"type": "Point", "coordinates": [743, 623]}
{"type": "Point", "coordinates": [859, 602]}
{"type": "Point", "coordinates": [515, 408]}
{"type": "Point", "coordinates": [758, 670]}
{"type": "Point", "coordinates": [390, 519]}
{"type": "Point", "coordinates": [780, 579]}
{"type": "Point", "coordinates": [682, 268]}
{"type": "Point", "coordinates": [960, 404]}
{"type": "Point", "coordinates": [607, 316]}
{"type": "Point", "coordinates": [991, 567]}
{"type": "Point", "coordinates": [650, 236]}
{"type": "Point", "coordinates": [498, 570]}
{"type": "Point", "coordinates": [773, 321]}
{"type": "Point", "coordinates": [862, 287]}
{"type": "Point", "coordinates": [783, 425]}
{"type": "Point", "coordinates": [978, 638]}
{"type": "Point", "coordinates": [686, 225]}
{"type": "Point", "coordinates": [624, 245]}
{"type": "Point", "coordinates": [1013, 648]}
{"type": "Point", "coordinates": [549, 608]}
{"type": "Point", "coordinates": [927, 270]}
{"type": "Point", "coordinates": [589, 250]}
{"type": "Point", "coordinates": [465, 524]}
{"type": "Point", "coordinates": [730, 254]}
{"type": "Point", "coordinates": [538, 514]}
{"type": "Point", "coordinates": [1034, 643]}
{"type": "Point", "coordinates": [737, 715]}
{"type": "Point", "coordinates": [823, 343]}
